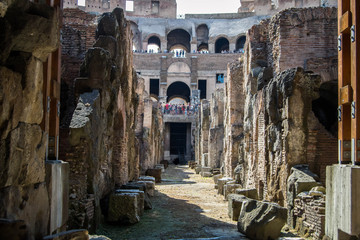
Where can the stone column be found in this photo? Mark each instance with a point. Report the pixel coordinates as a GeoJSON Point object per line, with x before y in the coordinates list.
{"type": "Point", "coordinates": [188, 142]}
{"type": "Point", "coordinates": [167, 142]}
{"type": "Point", "coordinates": [211, 47]}
{"type": "Point", "coordinates": [232, 47]}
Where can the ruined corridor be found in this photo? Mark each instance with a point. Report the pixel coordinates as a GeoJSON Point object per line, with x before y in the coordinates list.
{"type": "Point", "coordinates": [126, 119]}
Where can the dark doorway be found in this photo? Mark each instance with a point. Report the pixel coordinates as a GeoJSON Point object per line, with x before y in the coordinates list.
{"type": "Point", "coordinates": [178, 138]}
{"type": "Point", "coordinates": [221, 45]}
{"type": "Point", "coordinates": [154, 87]}
{"type": "Point", "coordinates": [178, 38]}
{"type": "Point", "coordinates": [325, 107]}
{"type": "Point", "coordinates": [240, 43]}
{"type": "Point", "coordinates": [202, 88]}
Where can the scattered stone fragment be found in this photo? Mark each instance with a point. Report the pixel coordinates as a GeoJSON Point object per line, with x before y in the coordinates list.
{"type": "Point", "coordinates": [235, 202]}
{"type": "Point", "coordinates": [156, 173]}
{"type": "Point", "coordinates": [123, 208]}
{"type": "Point", "coordinates": [261, 220]}
{"type": "Point", "coordinates": [250, 193]}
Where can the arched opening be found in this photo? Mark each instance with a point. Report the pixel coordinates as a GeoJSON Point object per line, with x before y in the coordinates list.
{"type": "Point", "coordinates": [240, 43]}
{"type": "Point", "coordinates": [221, 45]}
{"type": "Point", "coordinates": [204, 47]}
{"type": "Point", "coordinates": [178, 39]}
{"type": "Point", "coordinates": [178, 90]}
{"type": "Point", "coordinates": [325, 107]}
{"type": "Point", "coordinates": [136, 36]}
{"type": "Point", "coordinates": [154, 44]}
{"type": "Point", "coordinates": [202, 34]}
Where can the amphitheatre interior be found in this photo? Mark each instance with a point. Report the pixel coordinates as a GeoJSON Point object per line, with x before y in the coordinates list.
{"type": "Point", "coordinates": [122, 119]}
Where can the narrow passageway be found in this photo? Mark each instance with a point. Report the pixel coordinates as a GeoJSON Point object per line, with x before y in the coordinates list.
{"type": "Point", "coordinates": [185, 206]}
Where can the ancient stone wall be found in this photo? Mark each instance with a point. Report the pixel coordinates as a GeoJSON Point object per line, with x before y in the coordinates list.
{"type": "Point", "coordinates": [216, 131]}
{"type": "Point", "coordinates": [78, 35]}
{"type": "Point", "coordinates": [29, 32]}
{"type": "Point", "coordinates": [108, 128]}
{"type": "Point", "coordinates": [233, 117]}
{"type": "Point", "coordinates": [282, 126]}
{"type": "Point", "coordinates": [275, 113]}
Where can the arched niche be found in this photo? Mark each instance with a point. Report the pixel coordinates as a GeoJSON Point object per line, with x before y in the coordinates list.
{"type": "Point", "coordinates": [178, 39]}
{"type": "Point", "coordinates": [178, 90]}
{"type": "Point", "coordinates": [154, 44]}
{"type": "Point", "coordinates": [221, 44]}
{"type": "Point", "coordinates": [240, 43]}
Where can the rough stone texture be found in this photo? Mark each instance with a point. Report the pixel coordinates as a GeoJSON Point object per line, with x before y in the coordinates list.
{"type": "Point", "coordinates": [221, 183]}
{"type": "Point", "coordinates": [235, 202]}
{"type": "Point", "coordinates": [30, 28]}
{"type": "Point", "coordinates": [140, 198]}
{"type": "Point", "coordinates": [269, 113]}
{"type": "Point", "coordinates": [250, 193]}
{"type": "Point", "coordinates": [156, 173]}
{"type": "Point", "coordinates": [123, 208]}
{"type": "Point", "coordinates": [204, 133]}
{"type": "Point", "coordinates": [342, 194]}
{"type": "Point", "coordinates": [106, 139]}
{"type": "Point", "coordinates": [230, 188]}
{"type": "Point", "coordinates": [29, 32]}
{"type": "Point", "coordinates": [233, 120]}
{"type": "Point", "coordinates": [216, 131]}
{"type": "Point", "coordinates": [79, 234]}
{"type": "Point", "coordinates": [309, 213]}
{"type": "Point", "coordinates": [13, 229]}
{"type": "Point", "coordinates": [261, 220]}
{"type": "Point", "coordinates": [300, 180]}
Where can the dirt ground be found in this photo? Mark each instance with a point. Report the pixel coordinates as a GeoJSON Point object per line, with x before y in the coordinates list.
{"type": "Point", "coordinates": [185, 206]}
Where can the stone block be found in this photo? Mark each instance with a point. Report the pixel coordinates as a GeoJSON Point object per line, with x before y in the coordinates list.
{"type": "Point", "coordinates": [250, 193]}
{"type": "Point", "coordinates": [165, 163]}
{"type": "Point", "coordinates": [29, 203]}
{"type": "Point", "coordinates": [156, 173]}
{"type": "Point", "coordinates": [141, 185]}
{"type": "Point", "coordinates": [216, 178]}
{"type": "Point", "coordinates": [206, 171]}
{"type": "Point", "coordinates": [147, 178]}
{"type": "Point", "coordinates": [261, 220]}
{"type": "Point", "coordinates": [13, 229]}
{"type": "Point", "coordinates": [230, 188]}
{"type": "Point", "coordinates": [123, 208]}
{"type": "Point", "coordinates": [206, 174]}
{"type": "Point", "coordinates": [198, 169]}
{"type": "Point", "coordinates": [140, 199]}
{"type": "Point", "coordinates": [221, 184]}
{"type": "Point", "coordinates": [160, 166]}
{"type": "Point", "coordinates": [342, 201]}
{"type": "Point", "coordinates": [235, 202]}
{"type": "Point", "coordinates": [150, 187]}
{"type": "Point", "coordinates": [78, 234]}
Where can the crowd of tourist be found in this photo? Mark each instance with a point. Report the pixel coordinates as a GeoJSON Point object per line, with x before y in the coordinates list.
{"type": "Point", "coordinates": [182, 53]}
{"type": "Point", "coordinates": [179, 109]}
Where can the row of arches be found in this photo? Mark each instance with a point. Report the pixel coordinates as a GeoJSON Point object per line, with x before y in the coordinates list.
{"type": "Point", "coordinates": [179, 39]}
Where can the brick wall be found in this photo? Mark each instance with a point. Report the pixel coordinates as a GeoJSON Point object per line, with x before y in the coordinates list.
{"type": "Point", "coordinates": [309, 212]}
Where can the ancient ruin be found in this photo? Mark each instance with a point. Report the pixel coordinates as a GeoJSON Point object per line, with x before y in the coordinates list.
{"type": "Point", "coordinates": [125, 119]}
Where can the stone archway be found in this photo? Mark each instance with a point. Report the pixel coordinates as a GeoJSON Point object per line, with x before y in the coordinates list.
{"type": "Point", "coordinates": [221, 44]}
{"type": "Point", "coordinates": [178, 90]}
{"type": "Point", "coordinates": [178, 38]}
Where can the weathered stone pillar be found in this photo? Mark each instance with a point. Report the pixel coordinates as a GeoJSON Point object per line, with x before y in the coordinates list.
{"type": "Point", "coordinates": [342, 201]}
{"type": "Point", "coordinates": [167, 142]}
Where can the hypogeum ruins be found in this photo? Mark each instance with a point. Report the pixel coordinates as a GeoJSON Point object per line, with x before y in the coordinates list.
{"type": "Point", "coordinates": [108, 108]}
